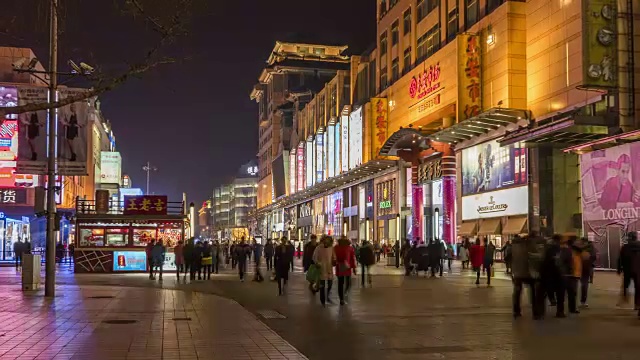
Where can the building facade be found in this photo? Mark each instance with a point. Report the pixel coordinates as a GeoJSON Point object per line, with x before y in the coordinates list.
{"type": "Point", "coordinates": [232, 204]}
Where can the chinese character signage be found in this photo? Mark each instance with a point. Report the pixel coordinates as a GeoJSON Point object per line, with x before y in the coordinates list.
{"type": "Point", "coordinates": [425, 83]}
{"type": "Point", "coordinates": [301, 169]}
{"type": "Point", "coordinates": [599, 43]}
{"type": "Point", "coordinates": [430, 171]}
{"type": "Point", "coordinates": [32, 129]}
{"type": "Point", "coordinates": [469, 77]}
{"type": "Point", "coordinates": [380, 128]}
{"type": "Point", "coordinates": [344, 124]}
{"type": "Point", "coordinates": [145, 205]}
{"type": "Point", "coordinates": [13, 196]}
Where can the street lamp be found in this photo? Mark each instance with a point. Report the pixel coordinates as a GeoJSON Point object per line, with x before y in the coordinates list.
{"type": "Point", "coordinates": [192, 217]}
{"type": "Point", "coordinates": [149, 168]}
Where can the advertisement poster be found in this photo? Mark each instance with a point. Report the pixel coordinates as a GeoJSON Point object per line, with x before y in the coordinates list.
{"type": "Point", "coordinates": [301, 169]}
{"type": "Point", "coordinates": [355, 136]}
{"type": "Point", "coordinates": [319, 158]}
{"type": "Point", "coordinates": [610, 198]}
{"type": "Point", "coordinates": [509, 202]}
{"type": "Point", "coordinates": [32, 132]}
{"type": "Point", "coordinates": [129, 261]}
{"type": "Point", "coordinates": [309, 156]}
{"type": "Point", "coordinates": [110, 167]}
{"type": "Point", "coordinates": [344, 131]}
{"type": "Point", "coordinates": [331, 145]}
{"type": "Point", "coordinates": [293, 173]}
{"type": "Point", "coordinates": [489, 167]}
{"type": "Point", "coordinates": [73, 132]}
{"type": "Point", "coordinates": [469, 76]}
{"type": "Point", "coordinates": [336, 154]}
{"type": "Point", "coordinates": [600, 43]}
{"type": "Point", "coordinates": [169, 262]}
{"type": "Point", "coordinates": [380, 126]}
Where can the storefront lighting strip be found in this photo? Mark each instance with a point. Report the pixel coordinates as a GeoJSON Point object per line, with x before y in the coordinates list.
{"type": "Point", "coordinates": [603, 141]}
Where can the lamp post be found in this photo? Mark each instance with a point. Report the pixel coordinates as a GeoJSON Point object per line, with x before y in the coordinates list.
{"type": "Point", "coordinates": [192, 221]}
{"type": "Point", "coordinates": [149, 168]}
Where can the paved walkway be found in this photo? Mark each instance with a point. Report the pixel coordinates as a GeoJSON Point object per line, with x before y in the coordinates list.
{"type": "Point", "coordinates": [105, 322]}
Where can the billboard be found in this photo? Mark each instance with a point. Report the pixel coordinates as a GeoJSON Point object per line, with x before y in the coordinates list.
{"type": "Point", "coordinates": [344, 141]}
{"type": "Point", "coordinates": [110, 167]}
{"type": "Point", "coordinates": [610, 198]}
{"type": "Point", "coordinates": [309, 164]}
{"type": "Point", "coordinates": [145, 205]}
{"type": "Point", "coordinates": [599, 43]}
{"type": "Point", "coordinates": [129, 192]}
{"type": "Point", "coordinates": [380, 124]}
{"type": "Point", "coordinates": [319, 158]}
{"type": "Point", "coordinates": [73, 132]}
{"type": "Point", "coordinates": [514, 201]}
{"type": "Point", "coordinates": [32, 132]}
{"type": "Point", "coordinates": [301, 168]}
{"type": "Point", "coordinates": [469, 76]}
{"type": "Point", "coordinates": [331, 149]}
{"type": "Point", "coordinates": [489, 167]}
{"type": "Point", "coordinates": [129, 261]}
{"type": "Point", "coordinates": [336, 154]}
{"type": "Point", "coordinates": [355, 137]}
{"type": "Point", "coordinates": [292, 170]}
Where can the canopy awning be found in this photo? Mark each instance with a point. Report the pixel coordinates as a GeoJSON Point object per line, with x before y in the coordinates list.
{"type": "Point", "coordinates": [490, 227]}
{"type": "Point", "coordinates": [492, 119]}
{"type": "Point", "coordinates": [403, 139]}
{"type": "Point", "coordinates": [515, 225]}
{"type": "Point", "coordinates": [468, 228]}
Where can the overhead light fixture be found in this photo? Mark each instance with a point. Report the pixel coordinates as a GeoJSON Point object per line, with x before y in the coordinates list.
{"type": "Point", "coordinates": [491, 39]}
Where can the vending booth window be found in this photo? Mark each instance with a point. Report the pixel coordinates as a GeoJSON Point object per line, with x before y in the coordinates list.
{"type": "Point", "coordinates": [91, 237]}
{"type": "Point", "coordinates": [118, 237]}
{"type": "Point", "coordinates": [141, 237]}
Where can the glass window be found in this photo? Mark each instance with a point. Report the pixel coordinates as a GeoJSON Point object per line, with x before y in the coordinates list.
{"type": "Point", "coordinates": [395, 35]}
{"type": "Point", "coordinates": [472, 13]}
{"type": "Point", "coordinates": [493, 4]}
{"type": "Point", "coordinates": [407, 21]}
{"type": "Point", "coordinates": [383, 79]}
{"type": "Point", "coordinates": [395, 70]}
{"type": "Point", "coordinates": [428, 44]}
{"type": "Point", "coordinates": [383, 8]}
{"type": "Point", "coordinates": [91, 237]}
{"type": "Point", "coordinates": [117, 237]}
{"type": "Point", "coordinates": [425, 7]}
{"type": "Point", "coordinates": [406, 61]}
{"type": "Point", "coordinates": [383, 44]}
{"type": "Point", "coordinates": [452, 25]}
{"type": "Point", "coordinates": [392, 3]}
{"type": "Point", "coordinates": [141, 237]}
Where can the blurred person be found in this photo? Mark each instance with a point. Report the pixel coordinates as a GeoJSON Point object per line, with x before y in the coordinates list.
{"type": "Point", "coordinates": [629, 267]}
{"type": "Point", "coordinates": [18, 250]}
{"type": "Point", "coordinates": [281, 263]}
{"type": "Point", "coordinates": [189, 254]}
{"type": "Point", "coordinates": [324, 257]}
{"type": "Point", "coordinates": [157, 255]}
{"type": "Point", "coordinates": [178, 252]}
{"type": "Point", "coordinates": [507, 256]}
{"type": "Point", "coordinates": [268, 254]}
{"type": "Point", "coordinates": [489, 255]}
{"type": "Point", "coordinates": [434, 253]}
{"type": "Point", "coordinates": [527, 259]}
{"type": "Point", "coordinates": [565, 289]}
{"type": "Point", "coordinates": [292, 251]}
{"type": "Point", "coordinates": [147, 251]}
{"type": "Point", "coordinates": [257, 259]}
{"type": "Point", "coordinates": [207, 261]}
{"type": "Point", "coordinates": [309, 248]}
{"type": "Point", "coordinates": [367, 259]}
{"type": "Point", "coordinates": [588, 261]}
{"type": "Point", "coordinates": [232, 254]}
{"type": "Point", "coordinates": [242, 252]}
{"type": "Point", "coordinates": [215, 256]}
{"type": "Point", "coordinates": [345, 267]}
{"type": "Point", "coordinates": [477, 255]}
{"type": "Point", "coordinates": [450, 257]}
{"type": "Point", "coordinates": [197, 258]}
{"type": "Point", "coordinates": [464, 254]}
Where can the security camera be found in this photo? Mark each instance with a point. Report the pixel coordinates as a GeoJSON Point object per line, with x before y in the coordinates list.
{"type": "Point", "coordinates": [75, 68]}
{"type": "Point", "coordinates": [32, 64]}
{"type": "Point", "coordinates": [19, 63]}
{"type": "Point", "coordinates": [87, 69]}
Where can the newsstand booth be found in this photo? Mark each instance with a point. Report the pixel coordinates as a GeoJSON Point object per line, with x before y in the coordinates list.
{"type": "Point", "coordinates": [114, 241]}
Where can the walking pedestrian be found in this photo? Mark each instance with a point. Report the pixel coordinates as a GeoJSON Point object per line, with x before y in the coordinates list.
{"type": "Point", "coordinates": [309, 248]}
{"type": "Point", "coordinates": [507, 256]}
{"type": "Point", "coordinates": [215, 256]}
{"type": "Point", "coordinates": [588, 260]}
{"type": "Point", "coordinates": [197, 258]}
{"type": "Point", "coordinates": [232, 253]}
{"type": "Point", "coordinates": [367, 259]}
{"type": "Point", "coordinates": [566, 284]}
{"type": "Point", "coordinates": [147, 251]}
{"type": "Point", "coordinates": [207, 261]}
{"type": "Point", "coordinates": [189, 260]}
{"type": "Point", "coordinates": [464, 254]}
{"type": "Point", "coordinates": [345, 266]}
{"type": "Point", "coordinates": [324, 257]}
{"type": "Point", "coordinates": [268, 254]}
{"type": "Point", "coordinates": [489, 254]}
{"type": "Point", "coordinates": [442, 249]}
{"type": "Point", "coordinates": [281, 263]}
{"type": "Point", "coordinates": [433, 251]}
{"type": "Point", "coordinates": [178, 252]}
{"type": "Point", "coordinates": [241, 253]}
{"type": "Point", "coordinates": [257, 258]}
{"type": "Point", "coordinates": [377, 248]}
{"type": "Point", "coordinates": [476, 254]}
{"type": "Point", "coordinates": [450, 257]}
{"type": "Point", "coordinates": [527, 258]}
{"type": "Point", "coordinates": [629, 267]}
{"type": "Point", "coordinates": [291, 249]}
{"type": "Point", "coordinates": [18, 250]}
{"type": "Point", "coordinates": [157, 254]}
{"type": "Point", "coordinates": [72, 252]}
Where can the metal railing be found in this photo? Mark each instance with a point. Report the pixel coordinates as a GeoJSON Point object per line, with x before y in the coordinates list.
{"type": "Point", "coordinates": [88, 207]}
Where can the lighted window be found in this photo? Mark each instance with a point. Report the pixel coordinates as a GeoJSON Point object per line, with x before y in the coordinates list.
{"type": "Point", "coordinates": [472, 14]}
{"type": "Point", "coordinates": [406, 61]}
{"type": "Point", "coordinates": [407, 22]}
{"type": "Point", "coordinates": [395, 35]}
{"type": "Point", "coordinates": [452, 25]}
{"type": "Point", "coordinates": [383, 44]}
{"type": "Point", "coordinates": [395, 70]}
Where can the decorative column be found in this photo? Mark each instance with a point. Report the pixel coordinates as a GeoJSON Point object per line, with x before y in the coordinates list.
{"type": "Point", "coordinates": [417, 204]}
{"type": "Point", "coordinates": [449, 197]}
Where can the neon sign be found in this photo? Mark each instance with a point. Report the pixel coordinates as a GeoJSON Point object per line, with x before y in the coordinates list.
{"type": "Point", "coordinates": [426, 82]}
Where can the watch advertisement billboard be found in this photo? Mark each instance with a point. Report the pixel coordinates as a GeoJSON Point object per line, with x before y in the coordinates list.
{"type": "Point", "coordinates": [129, 261]}
{"type": "Point", "coordinates": [32, 132]}
{"type": "Point", "coordinates": [73, 132]}
{"type": "Point", "coordinates": [610, 198]}
{"type": "Point", "coordinates": [110, 167]}
{"type": "Point", "coordinates": [344, 124]}
{"type": "Point", "coordinates": [355, 138]}
{"type": "Point", "coordinates": [489, 167]}
{"type": "Point", "coordinates": [508, 202]}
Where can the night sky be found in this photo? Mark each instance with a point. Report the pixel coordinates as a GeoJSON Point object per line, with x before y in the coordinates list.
{"type": "Point", "coordinates": [194, 120]}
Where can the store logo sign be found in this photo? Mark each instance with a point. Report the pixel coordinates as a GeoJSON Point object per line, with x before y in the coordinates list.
{"type": "Point", "coordinates": [430, 171]}
{"type": "Point", "coordinates": [385, 204]}
{"type": "Point", "coordinates": [425, 83]}
{"type": "Point", "coordinates": [492, 207]}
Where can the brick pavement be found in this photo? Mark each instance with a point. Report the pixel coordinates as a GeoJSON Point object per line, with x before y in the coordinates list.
{"type": "Point", "coordinates": [166, 324]}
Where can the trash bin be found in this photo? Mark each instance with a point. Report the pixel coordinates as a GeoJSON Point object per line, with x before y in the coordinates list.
{"type": "Point", "coordinates": [31, 267]}
{"type": "Point", "coordinates": [391, 260]}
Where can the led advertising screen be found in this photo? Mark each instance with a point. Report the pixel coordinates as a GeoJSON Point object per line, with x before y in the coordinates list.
{"type": "Point", "coordinates": [129, 261]}
{"type": "Point", "coordinates": [301, 169]}
{"type": "Point", "coordinates": [110, 167]}
{"type": "Point", "coordinates": [309, 156]}
{"type": "Point", "coordinates": [610, 198]}
{"type": "Point", "coordinates": [32, 149]}
{"type": "Point", "coordinates": [355, 139]}
{"type": "Point", "coordinates": [344, 123]}
{"type": "Point", "coordinates": [319, 158]}
{"type": "Point", "coordinates": [488, 167]}
{"type": "Point", "coordinates": [331, 149]}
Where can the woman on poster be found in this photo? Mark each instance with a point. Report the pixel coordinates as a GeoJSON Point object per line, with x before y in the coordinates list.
{"type": "Point", "coordinates": [71, 130]}
{"type": "Point", "coordinates": [33, 132]}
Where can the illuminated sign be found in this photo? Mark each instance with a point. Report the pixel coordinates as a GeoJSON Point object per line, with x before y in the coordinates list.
{"type": "Point", "coordinates": [380, 109]}
{"type": "Point", "coordinates": [355, 139]}
{"type": "Point", "coordinates": [430, 171]}
{"type": "Point", "coordinates": [344, 143]}
{"type": "Point", "coordinates": [425, 83]}
{"type": "Point", "coordinates": [428, 104]}
{"type": "Point", "coordinates": [309, 164]}
{"type": "Point", "coordinates": [331, 145]}
{"type": "Point", "coordinates": [252, 170]}
{"type": "Point", "coordinates": [145, 205]}
{"type": "Point", "coordinates": [514, 201]}
{"type": "Point", "coordinates": [129, 261]}
{"type": "Point", "coordinates": [300, 160]}
{"type": "Point", "coordinates": [110, 167]}
{"type": "Point", "coordinates": [319, 158]}
{"type": "Point", "coordinates": [599, 44]}
{"type": "Point", "coordinates": [385, 204]}
{"type": "Point", "coordinates": [292, 171]}
{"type": "Point", "coordinates": [469, 77]}
{"type": "Point", "coordinates": [336, 154]}
{"type": "Point", "coordinates": [13, 196]}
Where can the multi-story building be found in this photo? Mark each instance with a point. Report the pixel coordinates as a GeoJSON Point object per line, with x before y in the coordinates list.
{"type": "Point", "coordinates": [232, 203]}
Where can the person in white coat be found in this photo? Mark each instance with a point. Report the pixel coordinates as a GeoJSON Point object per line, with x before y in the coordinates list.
{"type": "Point", "coordinates": [325, 258]}
{"type": "Point", "coordinates": [464, 254]}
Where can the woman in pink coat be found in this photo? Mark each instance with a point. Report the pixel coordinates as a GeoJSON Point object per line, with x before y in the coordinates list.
{"type": "Point", "coordinates": [345, 266]}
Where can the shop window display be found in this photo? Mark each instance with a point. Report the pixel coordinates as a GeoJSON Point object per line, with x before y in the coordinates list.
{"type": "Point", "coordinates": [117, 237]}
{"type": "Point", "coordinates": [141, 237]}
{"type": "Point", "coordinates": [92, 237]}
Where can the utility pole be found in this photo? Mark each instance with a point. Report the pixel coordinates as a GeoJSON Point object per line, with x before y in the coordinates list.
{"type": "Point", "coordinates": [148, 168]}
{"type": "Point", "coordinates": [50, 256]}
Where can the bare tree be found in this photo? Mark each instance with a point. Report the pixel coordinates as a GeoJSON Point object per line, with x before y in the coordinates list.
{"type": "Point", "coordinates": [166, 21]}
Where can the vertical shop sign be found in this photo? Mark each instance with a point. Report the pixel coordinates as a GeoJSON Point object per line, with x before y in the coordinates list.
{"type": "Point", "coordinates": [336, 154]}
{"type": "Point", "coordinates": [344, 123]}
{"type": "Point", "coordinates": [309, 164]}
{"type": "Point", "coordinates": [300, 161]}
{"type": "Point", "coordinates": [325, 158]}
{"type": "Point", "coordinates": [380, 126]}
{"type": "Point", "coordinates": [32, 133]}
{"type": "Point", "coordinates": [469, 77]}
{"type": "Point", "coordinates": [319, 157]}
{"type": "Point", "coordinates": [293, 172]}
{"type": "Point", "coordinates": [599, 48]}
{"type": "Point", "coordinates": [355, 139]}
{"type": "Point", "coordinates": [331, 141]}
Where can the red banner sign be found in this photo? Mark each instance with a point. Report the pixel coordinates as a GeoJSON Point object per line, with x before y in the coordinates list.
{"type": "Point", "coordinates": [145, 205]}
{"type": "Point", "coordinates": [426, 82]}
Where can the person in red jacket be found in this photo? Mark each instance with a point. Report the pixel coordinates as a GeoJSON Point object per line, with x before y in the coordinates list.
{"type": "Point", "coordinates": [476, 255]}
{"type": "Point", "coordinates": [345, 265]}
